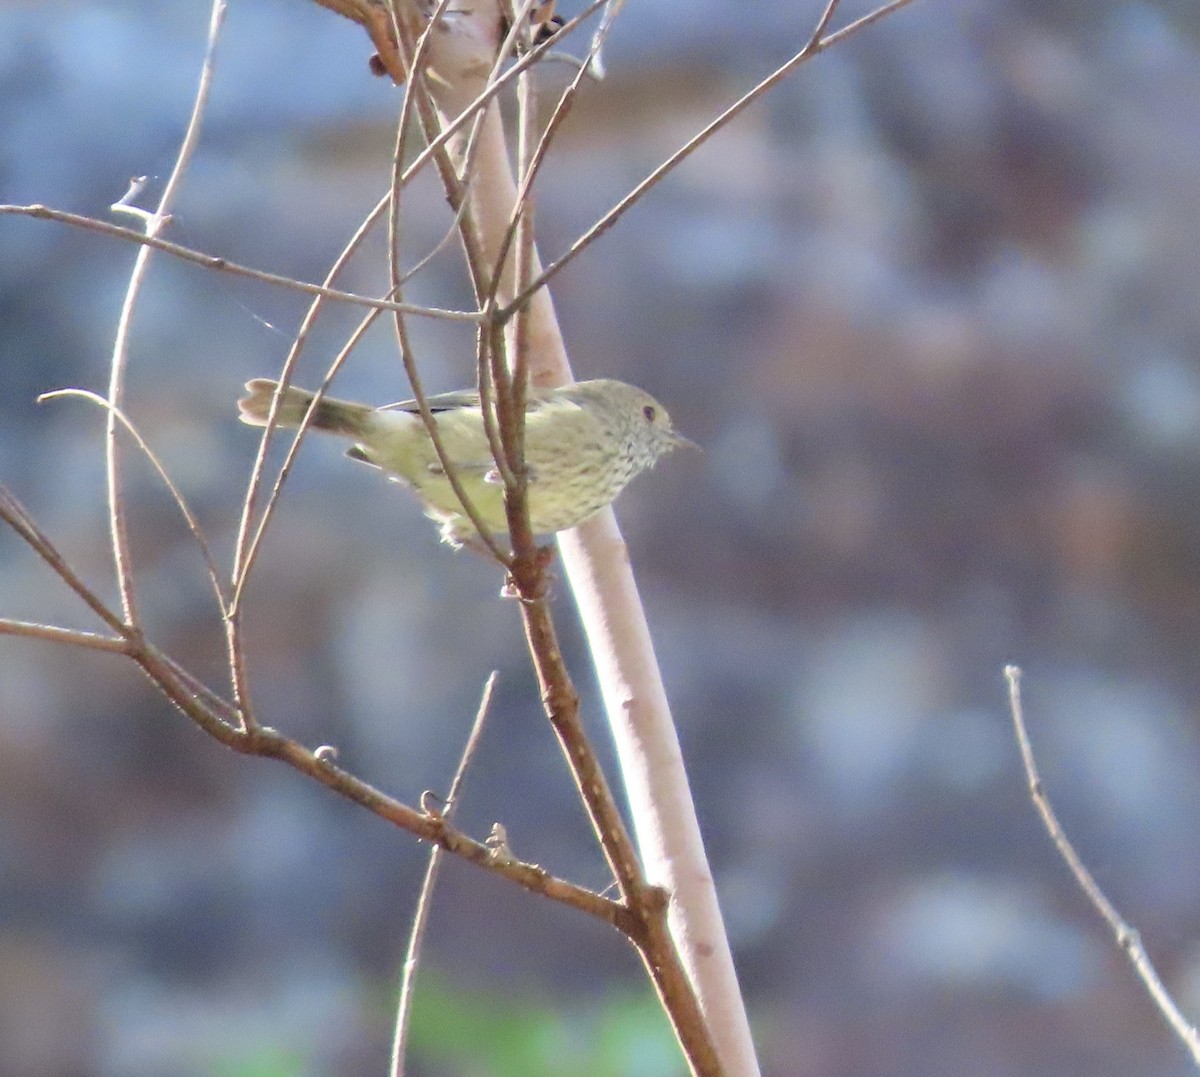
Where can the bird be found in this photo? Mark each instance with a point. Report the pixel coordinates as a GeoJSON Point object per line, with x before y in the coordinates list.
{"type": "Point", "coordinates": [584, 443]}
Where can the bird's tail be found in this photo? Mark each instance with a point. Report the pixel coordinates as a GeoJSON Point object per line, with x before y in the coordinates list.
{"type": "Point", "coordinates": [334, 416]}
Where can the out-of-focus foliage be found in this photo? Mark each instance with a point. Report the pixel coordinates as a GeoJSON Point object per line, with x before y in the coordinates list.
{"type": "Point", "coordinates": [465, 1031]}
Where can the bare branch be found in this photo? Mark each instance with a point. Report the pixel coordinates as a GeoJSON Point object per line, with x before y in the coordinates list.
{"type": "Point", "coordinates": [417, 88]}
{"type": "Point", "coordinates": [210, 261]}
{"type": "Point", "coordinates": [595, 60]}
{"type": "Point", "coordinates": [54, 634]}
{"type": "Point", "coordinates": [13, 513]}
{"type": "Point", "coordinates": [1129, 940]}
{"type": "Point", "coordinates": [176, 495]}
{"type": "Point", "coordinates": [245, 551]}
{"type": "Point", "coordinates": [532, 164]}
{"type": "Point", "coordinates": [815, 46]}
{"type": "Point", "coordinates": [120, 353]}
{"type": "Point", "coordinates": [289, 460]}
{"type": "Point", "coordinates": [220, 720]}
{"type": "Point", "coordinates": [415, 80]}
{"type": "Point", "coordinates": [823, 22]}
{"type": "Point", "coordinates": [510, 372]}
{"type": "Point", "coordinates": [425, 900]}
{"type": "Point", "coordinates": [267, 743]}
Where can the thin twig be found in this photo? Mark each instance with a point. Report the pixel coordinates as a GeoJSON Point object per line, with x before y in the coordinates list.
{"type": "Point", "coordinates": [519, 38]}
{"type": "Point", "coordinates": [814, 47]}
{"type": "Point", "coordinates": [485, 377]}
{"type": "Point", "coordinates": [120, 353]}
{"type": "Point", "coordinates": [189, 517]}
{"type": "Point", "coordinates": [13, 513]}
{"type": "Point", "coordinates": [523, 262]}
{"type": "Point", "coordinates": [245, 551]}
{"type": "Point", "coordinates": [595, 59]}
{"type": "Point", "coordinates": [831, 6]}
{"type": "Point", "coordinates": [297, 439]}
{"type": "Point", "coordinates": [416, 86]}
{"type": "Point", "coordinates": [511, 379]}
{"type": "Point", "coordinates": [425, 900]}
{"type": "Point", "coordinates": [211, 261]}
{"type": "Point", "coordinates": [227, 712]}
{"type": "Point", "coordinates": [246, 548]}
{"type": "Point", "coordinates": [128, 638]}
{"type": "Point", "coordinates": [416, 76]}
{"type": "Point", "coordinates": [431, 125]}
{"type": "Point", "coordinates": [1129, 940]}
{"type": "Point", "coordinates": [71, 636]}
{"type": "Point", "coordinates": [532, 165]}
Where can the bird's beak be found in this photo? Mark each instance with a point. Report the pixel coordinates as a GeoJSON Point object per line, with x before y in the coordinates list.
{"type": "Point", "coordinates": [684, 443]}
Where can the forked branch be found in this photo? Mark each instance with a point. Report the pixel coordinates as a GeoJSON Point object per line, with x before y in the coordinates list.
{"type": "Point", "coordinates": [219, 719]}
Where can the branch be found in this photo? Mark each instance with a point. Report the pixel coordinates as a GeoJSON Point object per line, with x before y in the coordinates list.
{"type": "Point", "coordinates": [815, 46]}
{"type": "Point", "coordinates": [425, 900]}
{"type": "Point", "coordinates": [461, 61]}
{"type": "Point", "coordinates": [1129, 940]}
{"type": "Point", "coordinates": [245, 548]}
{"type": "Point", "coordinates": [219, 719]}
{"type": "Point", "coordinates": [417, 91]}
{"type": "Point", "coordinates": [176, 495]}
{"type": "Point", "coordinates": [267, 743]}
{"type": "Point", "coordinates": [153, 223]}
{"type": "Point", "coordinates": [13, 513]}
{"type": "Point", "coordinates": [53, 634]}
{"type": "Point", "coordinates": [211, 261]}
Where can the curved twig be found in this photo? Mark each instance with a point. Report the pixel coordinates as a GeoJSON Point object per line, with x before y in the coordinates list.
{"type": "Point", "coordinates": [1128, 938]}
{"type": "Point", "coordinates": [120, 353]}
{"type": "Point", "coordinates": [176, 495]}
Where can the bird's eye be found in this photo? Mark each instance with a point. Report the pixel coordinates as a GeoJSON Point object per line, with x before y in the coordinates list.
{"type": "Point", "coordinates": [649, 412]}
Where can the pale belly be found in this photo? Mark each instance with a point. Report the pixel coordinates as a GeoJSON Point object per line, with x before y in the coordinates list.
{"type": "Point", "coordinates": [566, 501]}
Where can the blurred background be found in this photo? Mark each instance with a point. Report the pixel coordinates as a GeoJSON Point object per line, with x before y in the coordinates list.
{"type": "Point", "coordinates": [931, 309]}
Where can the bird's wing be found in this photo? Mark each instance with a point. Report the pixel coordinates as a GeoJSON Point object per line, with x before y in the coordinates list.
{"type": "Point", "coordinates": [535, 400]}
{"type": "Point", "coordinates": [463, 467]}
{"type": "Point", "coordinates": [463, 398]}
